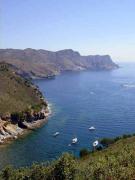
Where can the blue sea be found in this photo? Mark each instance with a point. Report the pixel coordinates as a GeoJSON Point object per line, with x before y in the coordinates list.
{"type": "Point", "coordinates": [78, 100]}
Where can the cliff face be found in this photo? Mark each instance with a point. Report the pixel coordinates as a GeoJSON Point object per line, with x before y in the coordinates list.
{"type": "Point", "coordinates": [43, 63]}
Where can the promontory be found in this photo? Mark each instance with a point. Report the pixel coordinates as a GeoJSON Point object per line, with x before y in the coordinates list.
{"type": "Point", "coordinates": [42, 63]}
{"type": "Point", "coordinates": [22, 105]}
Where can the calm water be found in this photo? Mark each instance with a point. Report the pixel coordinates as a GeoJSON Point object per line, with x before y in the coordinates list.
{"type": "Point", "coordinates": [78, 100]}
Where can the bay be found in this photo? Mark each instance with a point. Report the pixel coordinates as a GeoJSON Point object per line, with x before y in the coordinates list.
{"type": "Point", "coordinates": [78, 100]}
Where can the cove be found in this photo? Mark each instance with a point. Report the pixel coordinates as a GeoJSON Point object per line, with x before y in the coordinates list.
{"type": "Point", "coordinates": [78, 100]}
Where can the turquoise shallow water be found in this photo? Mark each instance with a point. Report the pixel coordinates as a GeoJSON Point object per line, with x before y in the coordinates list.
{"type": "Point", "coordinates": [78, 100]}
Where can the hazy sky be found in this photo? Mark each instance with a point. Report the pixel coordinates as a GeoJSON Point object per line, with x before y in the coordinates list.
{"type": "Point", "coordinates": [88, 26]}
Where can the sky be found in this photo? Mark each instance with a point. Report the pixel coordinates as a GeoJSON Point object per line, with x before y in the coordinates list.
{"type": "Point", "coordinates": [87, 26]}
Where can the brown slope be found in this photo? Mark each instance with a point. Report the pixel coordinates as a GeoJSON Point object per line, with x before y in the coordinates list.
{"type": "Point", "coordinates": [16, 93]}
{"type": "Point", "coordinates": [42, 63]}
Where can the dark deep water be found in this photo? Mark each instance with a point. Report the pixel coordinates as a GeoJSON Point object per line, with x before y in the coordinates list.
{"type": "Point", "coordinates": [78, 100]}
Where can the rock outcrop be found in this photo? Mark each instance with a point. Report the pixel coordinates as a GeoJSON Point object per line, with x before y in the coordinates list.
{"type": "Point", "coordinates": [10, 130]}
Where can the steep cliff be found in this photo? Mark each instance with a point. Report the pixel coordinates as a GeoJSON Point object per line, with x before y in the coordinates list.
{"type": "Point", "coordinates": [43, 63]}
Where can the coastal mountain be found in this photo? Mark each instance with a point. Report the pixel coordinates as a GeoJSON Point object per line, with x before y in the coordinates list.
{"type": "Point", "coordinates": [42, 63]}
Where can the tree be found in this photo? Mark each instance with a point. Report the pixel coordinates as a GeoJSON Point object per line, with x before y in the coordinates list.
{"type": "Point", "coordinates": [65, 168]}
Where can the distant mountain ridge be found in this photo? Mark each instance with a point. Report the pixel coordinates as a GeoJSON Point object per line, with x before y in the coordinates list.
{"type": "Point", "coordinates": [42, 63]}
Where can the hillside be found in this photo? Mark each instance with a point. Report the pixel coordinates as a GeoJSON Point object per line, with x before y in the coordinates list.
{"type": "Point", "coordinates": [16, 93]}
{"type": "Point", "coordinates": [42, 63]}
{"type": "Point", "coordinates": [22, 105]}
{"type": "Point", "coordinates": [114, 163]}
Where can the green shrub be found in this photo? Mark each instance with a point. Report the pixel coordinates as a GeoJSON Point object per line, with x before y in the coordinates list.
{"type": "Point", "coordinates": [64, 168]}
{"type": "Point", "coordinates": [37, 107]}
{"type": "Point", "coordinates": [117, 138]}
{"type": "Point", "coordinates": [83, 153]}
{"type": "Point", "coordinates": [107, 141]}
{"type": "Point", "coordinates": [126, 136]}
{"type": "Point", "coordinates": [41, 172]}
{"type": "Point", "coordinates": [7, 173]}
{"type": "Point", "coordinates": [99, 148]}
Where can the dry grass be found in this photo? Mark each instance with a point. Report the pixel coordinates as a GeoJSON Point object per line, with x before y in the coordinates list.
{"type": "Point", "coordinates": [16, 94]}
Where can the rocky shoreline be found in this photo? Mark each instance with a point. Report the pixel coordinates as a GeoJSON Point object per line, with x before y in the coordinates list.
{"type": "Point", "coordinates": [10, 131]}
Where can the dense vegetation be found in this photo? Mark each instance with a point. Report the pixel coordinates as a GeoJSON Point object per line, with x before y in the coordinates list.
{"type": "Point", "coordinates": [117, 162]}
{"type": "Point", "coordinates": [16, 93]}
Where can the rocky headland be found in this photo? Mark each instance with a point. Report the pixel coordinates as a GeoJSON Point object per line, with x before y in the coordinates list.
{"type": "Point", "coordinates": [22, 105]}
{"type": "Point", "coordinates": [46, 64]}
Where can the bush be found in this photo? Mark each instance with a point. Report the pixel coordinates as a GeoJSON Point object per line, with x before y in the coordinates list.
{"type": "Point", "coordinates": [7, 173]}
{"type": "Point", "coordinates": [39, 172]}
{"type": "Point", "coordinates": [83, 152]}
{"type": "Point", "coordinates": [99, 148]}
{"type": "Point", "coordinates": [37, 107]}
{"type": "Point", "coordinates": [117, 138]}
{"type": "Point", "coordinates": [107, 141]}
{"type": "Point", "coordinates": [64, 167]}
{"type": "Point", "coordinates": [126, 136]}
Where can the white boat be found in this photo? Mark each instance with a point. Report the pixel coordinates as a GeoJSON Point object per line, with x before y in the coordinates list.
{"type": "Point", "coordinates": [56, 134]}
{"type": "Point", "coordinates": [95, 143]}
{"type": "Point", "coordinates": [92, 128]}
{"type": "Point", "coordinates": [74, 140]}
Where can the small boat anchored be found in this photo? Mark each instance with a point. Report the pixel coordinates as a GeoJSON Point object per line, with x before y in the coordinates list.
{"type": "Point", "coordinates": [56, 134]}
{"type": "Point", "coordinates": [74, 140]}
{"type": "Point", "coordinates": [92, 128]}
{"type": "Point", "coordinates": [95, 143]}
